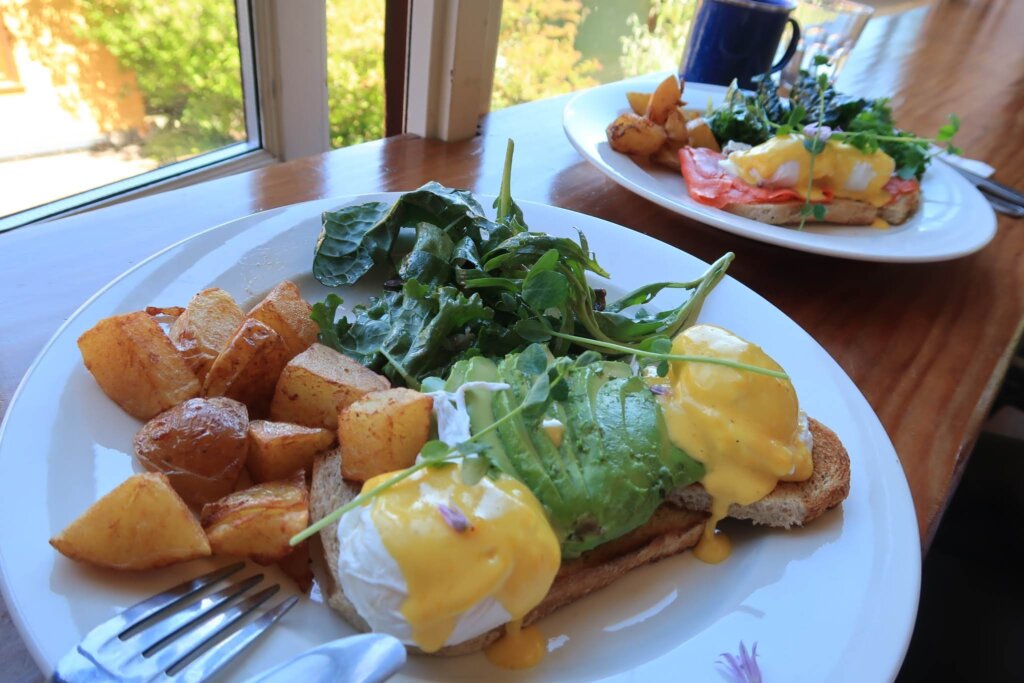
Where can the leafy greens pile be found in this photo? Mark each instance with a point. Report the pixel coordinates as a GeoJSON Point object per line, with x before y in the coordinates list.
{"type": "Point", "coordinates": [467, 285]}
{"type": "Point", "coordinates": [813, 101]}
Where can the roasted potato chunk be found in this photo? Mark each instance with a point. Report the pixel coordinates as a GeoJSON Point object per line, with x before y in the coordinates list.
{"type": "Point", "coordinates": [675, 127]}
{"type": "Point", "coordinates": [258, 522]}
{"type": "Point", "coordinates": [383, 432]}
{"type": "Point", "coordinates": [248, 367]}
{"type": "Point", "coordinates": [279, 449]}
{"type": "Point", "coordinates": [298, 567]}
{"type": "Point", "coordinates": [664, 99]}
{"type": "Point", "coordinates": [632, 134]}
{"type": "Point", "coordinates": [638, 102]}
{"type": "Point", "coordinates": [317, 384]}
{"type": "Point", "coordinates": [201, 445]}
{"type": "Point", "coordinates": [142, 524]}
{"type": "Point", "coordinates": [667, 156]}
{"type": "Point", "coordinates": [701, 135]}
{"type": "Point", "coordinates": [205, 328]}
{"type": "Point", "coordinates": [284, 310]}
{"type": "Point", "coordinates": [136, 365]}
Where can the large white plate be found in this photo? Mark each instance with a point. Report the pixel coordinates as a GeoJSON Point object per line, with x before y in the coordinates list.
{"type": "Point", "coordinates": [835, 601]}
{"type": "Point", "coordinates": [954, 218]}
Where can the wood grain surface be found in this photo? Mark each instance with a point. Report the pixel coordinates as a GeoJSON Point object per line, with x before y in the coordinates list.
{"type": "Point", "coordinates": [927, 344]}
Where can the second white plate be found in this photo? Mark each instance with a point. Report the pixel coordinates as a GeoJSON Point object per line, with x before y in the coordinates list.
{"type": "Point", "coordinates": [954, 219]}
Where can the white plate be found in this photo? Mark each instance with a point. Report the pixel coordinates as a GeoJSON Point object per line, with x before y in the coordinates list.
{"type": "Point", "coordinates": [835, 601]}
{"type": "Point", "coordinates": [954, 218]}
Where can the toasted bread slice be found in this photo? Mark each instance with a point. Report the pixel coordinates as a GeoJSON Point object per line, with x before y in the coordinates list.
{"type": "Point", "coordinates": [669, 532]}
{"type": "Point", "coordinates": [792, 503]}
{"type": "Point", "coordinates": [840, 211]}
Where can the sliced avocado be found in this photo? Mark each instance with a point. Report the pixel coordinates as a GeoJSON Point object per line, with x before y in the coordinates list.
{"type": "Point", "coordinates": [615, 463]}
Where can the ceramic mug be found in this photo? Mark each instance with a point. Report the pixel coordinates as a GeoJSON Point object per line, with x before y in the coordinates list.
{"type": "Point", "coordinates": [737, 39]}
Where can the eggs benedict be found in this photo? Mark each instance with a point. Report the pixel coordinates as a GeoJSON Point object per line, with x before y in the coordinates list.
{"type": "Point", "coordinates": [580, 492]}
{"type": "Point", "coordinates": [769, 182]}
{"type": "Point", "coordinates": [434, 561]}
{"type": "Point", "coordinates": [745, 428]}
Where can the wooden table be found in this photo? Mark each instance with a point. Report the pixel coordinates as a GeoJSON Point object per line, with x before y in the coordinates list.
{"type": "Point", "coordinates": [927, 344]}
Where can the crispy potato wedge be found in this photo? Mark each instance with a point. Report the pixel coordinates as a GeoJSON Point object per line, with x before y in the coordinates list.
{"type": "Point", "coordinates": [383, 432]}
{"type": "Point", "coordinates": [664, 99]}
{"type": "Point", "coordinates": [675, 127]}
{"type": "Point", "coordinates": [258, 522]}
{"type": "Point", "coordinates": [248, 367]}
{"type": "Point", "coordinates": [142, 524]}
{"type": "Point", "coordinates": [136, 365]}
{"type": "Point", "coordinates": [284, 310]}
{"type": "Point", "coordinates": [667, 156]}
{"type": "Point", "coordinates": [317, 384]}
{"type": "Point", "coordinates": [632, 134]}
{"type": "Point", "coordinates": [201, 445]}
{"type": "Point", "coordinates": [298, 566]}
{"type": "Point", "coordinates": [701, 135]}
{"type": "Point", "coordinates": [203, 330]}
{"type": "Point", "coordinates": [638, 102]}
{"type": "Point", "coordinates": [278, 449]}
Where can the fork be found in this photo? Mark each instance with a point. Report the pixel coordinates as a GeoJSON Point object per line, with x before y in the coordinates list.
{"type": "Point", "coordinates": [153, 640]}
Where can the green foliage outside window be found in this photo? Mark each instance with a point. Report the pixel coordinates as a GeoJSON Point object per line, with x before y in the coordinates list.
{"type": "Point", "coordinates": [185, 57]}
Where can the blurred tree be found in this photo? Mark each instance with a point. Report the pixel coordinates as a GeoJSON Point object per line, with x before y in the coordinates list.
{"type": "Point", "coordinates": [185, 57]}
{"type": "Point", "coordinates": [655, 42]}
{"type": "Point", "coordinates": [536, 53]}
{"type": "Point", "coordinates": [355, 70]}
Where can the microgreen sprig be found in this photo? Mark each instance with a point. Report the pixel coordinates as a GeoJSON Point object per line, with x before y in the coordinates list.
{"type": "Point", "coordinates": [538, 329]}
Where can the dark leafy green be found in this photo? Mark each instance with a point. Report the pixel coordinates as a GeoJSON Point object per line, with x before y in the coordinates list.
{"type": "Point", "coordinates": [864, 123]}
{"type": "Point", "coordinates": [467, 282]}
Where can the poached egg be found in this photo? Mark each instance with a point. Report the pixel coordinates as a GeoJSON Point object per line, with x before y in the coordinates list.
{"type": "Point", "coordinates": [841, 169]}
{"type": "Point", "coordinates": [434, 561]}
{"type": "Point", "coordinates": [746, 428]}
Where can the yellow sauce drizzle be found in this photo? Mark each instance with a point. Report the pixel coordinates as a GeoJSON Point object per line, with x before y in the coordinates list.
{"type": "Point", "coordinates": [519, 648]}
{"type": "Point", "coordinates": [741, 425]}
{"type": "Point", "coordinates": [508, 552]}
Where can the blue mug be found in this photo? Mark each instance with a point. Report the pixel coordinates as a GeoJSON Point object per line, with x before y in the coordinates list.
{"type": "Point", "coordinates": [737, 39]}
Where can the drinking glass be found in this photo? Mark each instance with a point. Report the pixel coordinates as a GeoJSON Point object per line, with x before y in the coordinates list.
{"type": "Point", "coordinates": [830, 28]}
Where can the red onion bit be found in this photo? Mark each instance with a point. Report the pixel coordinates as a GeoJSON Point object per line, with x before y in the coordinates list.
{"type": "Point", "coordinates": [454, 517]}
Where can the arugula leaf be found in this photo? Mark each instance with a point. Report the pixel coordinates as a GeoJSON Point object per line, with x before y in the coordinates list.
{"type": "Point", "coordinates": [544, 290]}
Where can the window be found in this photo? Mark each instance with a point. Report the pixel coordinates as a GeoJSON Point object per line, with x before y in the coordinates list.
{"type": "Point", "coordinates": [9, 81]}
{"type": "Point", "coordinates": [355, 70]}
{"type": "Point", "coordinates": [552, 47]}
{"type": "Point", "coordinates": [118, 94]}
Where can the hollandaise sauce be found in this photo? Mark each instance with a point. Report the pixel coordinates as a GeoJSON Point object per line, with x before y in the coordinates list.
{"type": "Point", "coordinates": [839, 170]}
{"type": "Point", "coordinates": [745, 427]}
{"type": "Point", "coordinates": [519, 648]}
{"type": "Point", "coordinates": [459, 545]}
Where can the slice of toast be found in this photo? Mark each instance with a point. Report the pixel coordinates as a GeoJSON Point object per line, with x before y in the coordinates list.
{"type": "Point", "coordinates": [670, 531]}
{"type": "Point", "coordinates": [840, 211]}
{"type": "Point", "coordinates": [792, 503]}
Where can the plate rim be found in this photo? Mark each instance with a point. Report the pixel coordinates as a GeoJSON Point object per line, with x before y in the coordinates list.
{"type": "Point", "coordinates": [729, 222]}
{"type": "Point", "coordinates": [14, 604]}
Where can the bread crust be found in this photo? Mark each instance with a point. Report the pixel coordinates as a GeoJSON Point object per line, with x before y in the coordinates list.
{"type": "Point", "coordinates": [792, 503]}
{"type": "Point", "coordinates": [840, 211]}
{"type": "Point", "coordinates": [675, 527]}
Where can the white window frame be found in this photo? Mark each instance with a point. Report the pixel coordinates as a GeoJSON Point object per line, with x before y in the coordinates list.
{"type": "Point", "coordinates": [453, 45]}
{"type": "Point", "coordinates": [283, 46]}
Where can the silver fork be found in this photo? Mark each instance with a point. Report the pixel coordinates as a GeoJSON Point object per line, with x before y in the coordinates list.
{"type": "Point", "coordinates": [153, 640]}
